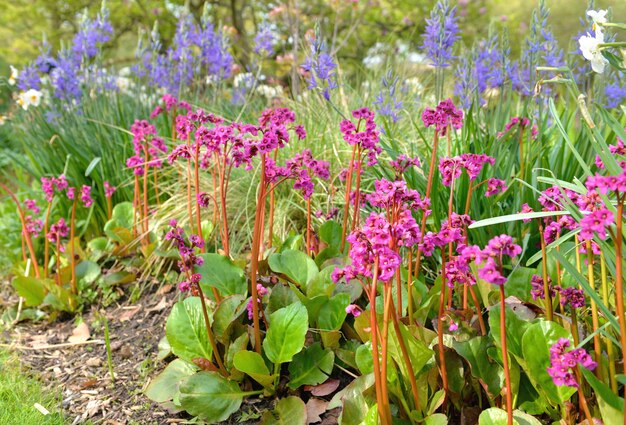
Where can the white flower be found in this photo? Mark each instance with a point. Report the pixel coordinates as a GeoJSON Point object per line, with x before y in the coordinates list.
{"type": "Point", "coordinates": [590, 47]}
{"type": "Point", "coordinates": [598, 17]}
{"type": "Point", "coordinates": [29, 98]}
{"type": "Point", "coordinates": [3, 119]}
{"type": "Point", "coordinates": [14, 75]}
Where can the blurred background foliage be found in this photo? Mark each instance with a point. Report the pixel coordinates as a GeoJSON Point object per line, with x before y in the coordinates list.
{"type": "Point", "coordinates": [351, 27]}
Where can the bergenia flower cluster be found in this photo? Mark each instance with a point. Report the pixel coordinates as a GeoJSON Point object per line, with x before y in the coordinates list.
{"type": "Point", "coordinates": [521, 123]}
{"type": "Point", "coordinates": [302, 167]}
{"type": "Point", "coordinates": [146, 146]}
{"type": "Point", "coordinates": [562, 362]}
{"type": "Point", "coordinates": [443, 116]}
{"type": "Point", "coordinates": [363, 134]}
{"type": "Point", "coordinates": [187, 251]}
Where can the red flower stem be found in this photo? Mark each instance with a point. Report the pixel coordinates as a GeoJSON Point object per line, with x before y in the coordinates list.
{"type": "Point", "coordinates": [136, 205]}
{"type": "Point", "coordinates": [440, 346]}
{"type": "Point", "coordinates": [410, 285]}
{"type": "Point", "coordinates": [544, 268]}
{"type": "Point", "coordinates": [357, 192]}
{"type": "Point", "coordinates": [597, 345]}
{"type": "Point", "coordinates": [380, 396]}
{"type": "Point", "coordinates": [215, 207]}
{"type": "Point", "coordinates": [481, 322]}
{"type": "Point", "coordinates": [609, 342]}
{"type": "Point", "coordinates": [109, 208]}
{"type": "Point", "coordinates": [24, 248]}
{"type": "Point", "coordinates": [582, 401]}
{"type": "Point", "coordinates": [189, 206]}
{"type": "Point", "coordinates": [505, 357]}
{"type": "Point", "coordinates": [254, 260]}
{"type": "Point", "coordinates": [72, 249]}
{"type": "Point", "coordinates": [429, 185]}
{"type": "Point", "coordinates": [58, 261]}
{"type": "Point", "coordinates": [207, 323]}
{"type": "Point", "coordinates": [346, 206]}
{"type": "Point", "coordinates": [46, 243]}
{"type": "Point", "coordinates": [384, 338]}
{"type": "Point", "coordinates": [156, 187]}
{"type": "Point", "coordinates": [619, 281]}
{"type": "Point", "coordinates": [270, 231]}
{"type": "Point", "coordinates": [29, 241]}
{"type": "Point", "coordinates": [308, 225]}
{"type": "Point", "coordinates": [407, 359]}
{"type": "Point", "coordinates": [223, 190]}
{"type": "Point", "coordinates": [146, 229]}
{"type": "Point", "coordinates": [196, 169]}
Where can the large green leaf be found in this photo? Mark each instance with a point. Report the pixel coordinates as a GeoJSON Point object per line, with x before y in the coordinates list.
{"type": "Point", "coordinates": [87, 271]}
{"type": "Point", "coordinates": [121, 222]}
{"type": "Point", "coordinates": [311, 366]}
{"type": "Point", "coordinates": [219, 272]}
{"type": "Point", "coordinates": [296, 265]}
{"type": "Point", "coordinates": [288, 411]}
{"type": "Point", "coordinates": [32, 289]}
{"type": "Point", "coordinates": [494, 416]}
{"type": "Point", "coordinates": [165, 386]}
{"type": "Point", "coordinates": [488, 372]}
{"type": "Point", "coordinates": [611, 405]}
{"type": "Point", "coordinates": [330, 232]}
{"type": "Point", "coordinates": [353, 400]}
{"type": "Point", "coordinates": [280, 297]}
{"type": "Point", "coordinates": [285, 337]}
{"type": "Point", "coordinates": [210, 396]}
{"type": "Point", "coordinates": [333, 313]}
{"type": "Point", "coordinates": [515, 329]}
{"type": "Point", "coordinates": [251, 363]}
{"type": "Point", "coordinates": [186, 331]}
{"type": "Point", "coordinates": [518, 283]}
{"type": "Point", "coordinates": [419, 353]}
{"type": "Point", "coordinates": [227, 311]}
{"type": "Point", "coordinates": [536, 343]}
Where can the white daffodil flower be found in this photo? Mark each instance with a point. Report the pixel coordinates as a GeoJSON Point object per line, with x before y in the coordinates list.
{"type": "Point", "coordinates": [590, 47]}
{"type": "Point", "coordinates": [14, 74]}
{"type": "Point", "coordinates": [29, 98]}
{"type": "Point", "coordinates": [598, 17]}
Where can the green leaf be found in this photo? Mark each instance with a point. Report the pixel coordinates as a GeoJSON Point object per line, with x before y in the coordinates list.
{"type": "Point", "coordinates": [210, 396]}
{"type": "Point", "coordinates": [611, 405]}
{"type": "Point", "coordinates": [219, 272]}
{"type": "Point", "coordinates": [226, 313]}
{"type": "Point", "coordinates": [436, 419]}
{"type": "Point", "coordinates": [515, 217]}
{"type": "Point", "coordinates": [330, 232]}
{"type": "Point", "coordinates": [289, 411]}
{"type": "Point", "coordinates": [296, 265]}
{"type": "Point", "coordinates": [515, 329]}
{"type": "Point", "coordinates": [494, 416]}
{"type": "Point", "coordinates": [285, 337]}
{"type": "Point", "coordinates": [333, 313]}
{"type": "Point", "coordinates": [518, 283]}
{"type": "Point", "coordinates": [364, 358]}
{"type": "Point", "coordinates": [251, 363]}
{"type": "Point", "coordinates": [32, 289]}
{"type": "Point", "coordinates": [88, 271]}
{"type": "Point", "coordinates": [280, 297]}
{"type": "Point", "coordinates": [186, 330]}
{"type": "Point", "coordinates": [536, 343]}
{"type": "Point", "coordinates": [239, 344]}
{"type": "Point", "coordinates": [311, 366]}
{"type": "Point", "coordinates": [353, 400]}
{"type": "Point", "coordinates": [165, 386]}
{"type": "Point", "coordinates": [488, 372]}
{"type": "Point", "coordinates": [92, 165]}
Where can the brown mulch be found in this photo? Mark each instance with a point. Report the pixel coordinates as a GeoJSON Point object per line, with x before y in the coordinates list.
{"type": "Point", "coordinates": [79, 369]}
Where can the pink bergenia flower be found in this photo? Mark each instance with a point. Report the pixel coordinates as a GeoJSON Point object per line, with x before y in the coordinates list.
{"type": "Point", "coordinates": [495, 186]}
{"type": "Point", "coordinates": [31, 204]}
{"type": "Point", "coordinates": [596, 223]}
{"type": "Point", "coordinates": [354, 310]}
{"type": "Point", "coordinates": [85, 196]}
{"type": "Point", "coordinates": [562, 362]}
{"type": "Point", "coordinates": [444, 115]}
{"type": "Point", "coordinates": [109, 190]}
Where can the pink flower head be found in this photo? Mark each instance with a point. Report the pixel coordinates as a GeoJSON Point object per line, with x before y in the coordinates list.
{"type": "Point", "coordinates": [502, 245]}
{"type": "Point", "coordinates": [71, 193]}
{"type": "Point", "coordinates": [573, 297]}
{"type": "Point", "coordinates": [596, 223]}
{"type": "Point", "coordinates": [526, 209]}
{"type": "Point", "coordinates": [490, 273]}
{"type": "Point", "coordinates": [109, 190]}
{"type": "Point", "coordinates": [31, 204]}
{"type": "Point", "coordinates": [354, 310]}
{"type": "Point", "coordinates": [562, 362]}
{"type": "Point", "coordinates": [85, 196]}
{"type": "Point", "coordinates": [450, 169]}
{"type": "Point", "coordinates": [443, 116]}
{"type": "Point", "coordinates": [495, 186]}
{"type": "Point", "coordinates": [363, 134]}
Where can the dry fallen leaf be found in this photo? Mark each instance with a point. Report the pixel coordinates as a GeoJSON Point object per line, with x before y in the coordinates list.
{"type": "Point", "coordinates": [129, 313]}
{"type": "Point", "coordinates": [80, 334]}
{"type": "Point", "coordinates": [315, 407]}
{"type": "Point", "coordinates": [160, 306]}
{"type": "Point", "coordinates": [323, 389]}
{"type": "Point", "coordinates": [165, 289]}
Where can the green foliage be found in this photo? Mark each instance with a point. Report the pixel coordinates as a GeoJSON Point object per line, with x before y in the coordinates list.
{"type": "Point", "coordinates": [285, 337]}
{"type": "Point", "coordinates": [221, 273]}
{"type": "Point", "coordinates": [311, 366]}
{"type": "Point", "coordinates": [186, 331]}
{"type": "Point", "coordinates": [210, 396]}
